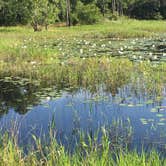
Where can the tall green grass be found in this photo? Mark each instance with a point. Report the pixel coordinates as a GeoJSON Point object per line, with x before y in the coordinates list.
{"type": "Point", "coordinates": [88, 73]}
{"type": "Point", "coordinates": [88, 153]}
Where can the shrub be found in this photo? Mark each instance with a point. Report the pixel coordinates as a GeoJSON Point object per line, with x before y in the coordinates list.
{"type": "Point", "coordinates": [163, 11]}
{"type": "Point", "coordinates": [149, 9]}
{"type": "Point", "coordinates": [74, 19]}
{"type": "Point", "coordinates": [87, 14]}
{"type": "Point", "coordinates": [113, 16]}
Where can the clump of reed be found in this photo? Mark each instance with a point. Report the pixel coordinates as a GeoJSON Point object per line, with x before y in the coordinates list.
{"type": "Point", "coordinates": [88, 152]}
{"type": "Point", "coordinates": [90, 73]}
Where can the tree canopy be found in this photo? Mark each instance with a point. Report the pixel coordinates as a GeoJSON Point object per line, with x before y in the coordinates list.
{"type": "Point", "coordinates": [44, 12]}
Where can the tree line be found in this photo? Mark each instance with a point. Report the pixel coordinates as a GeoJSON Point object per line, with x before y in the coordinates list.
{"type": "Point", "coordinates": [45, 12]}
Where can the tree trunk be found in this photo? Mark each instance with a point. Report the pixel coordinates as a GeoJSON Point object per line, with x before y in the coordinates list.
{"type": "Point", "coordinates": [68, 21]}
{"type": "Point", "coordinates": [46, 27]}
{"type": "Point", "coordinates": [113, 6]}
{"type": "Point", "coordinates": [35, 27]}
{"type": "Point", "coordinates": [104, 8]}
{"type": "Point", "coordinates": [163, 2]}
{"type": "Point", "coordinates": [120, 8]}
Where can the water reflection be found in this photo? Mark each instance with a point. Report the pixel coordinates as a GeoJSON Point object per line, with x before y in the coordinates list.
{"type": "Point", "coordinates": [73, 111]}
{"type": "Point", "coordinates": [22, 94]}
{"type": "Point", "coordinates": [13, 95]}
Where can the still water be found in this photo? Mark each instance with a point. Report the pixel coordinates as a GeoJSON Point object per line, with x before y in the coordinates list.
{"type": "Point", "coordinates": [30, 111]}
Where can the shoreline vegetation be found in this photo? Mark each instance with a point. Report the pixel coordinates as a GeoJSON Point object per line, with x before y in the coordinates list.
{"type": "Point", "coordinates": [88, 151]}
{"type": "Point", "coordinates": [122, 28]}
{"type": "Point", "coordinates": [109, 145]}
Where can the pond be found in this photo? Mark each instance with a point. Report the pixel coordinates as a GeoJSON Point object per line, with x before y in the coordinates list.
{"type": "Point", "coordinates": [142, 117]}
{"type": "Point", "coordinates": [131, 113]}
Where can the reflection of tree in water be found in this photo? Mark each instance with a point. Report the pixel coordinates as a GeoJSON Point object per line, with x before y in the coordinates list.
{"type": "Point", "coordinates": [14, 95]}
{"type": "Point", "coordinates": [22, 95]}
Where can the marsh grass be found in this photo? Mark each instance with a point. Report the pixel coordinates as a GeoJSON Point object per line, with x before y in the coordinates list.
{"type": "Point", "coordinates": [24, 54]}
{"type": "Point", "coordinates": [88, 73]}
{"type": "Point", "coordinates": [88, 152]}
{"type": "Point", "coordinates": [122, 29]}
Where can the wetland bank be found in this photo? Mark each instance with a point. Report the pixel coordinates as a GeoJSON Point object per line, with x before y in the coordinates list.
{"type": "Point", "coordinates": [91, 95]}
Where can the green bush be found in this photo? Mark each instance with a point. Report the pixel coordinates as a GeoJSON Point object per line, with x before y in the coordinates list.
{"type": "Point", "coordinates": [74, 19]}
{"type": "Point", "coordinates": [14, 12]}
{"type": "Point", "coordinates": [149, 9]}
{"type": "Point", "coordinates": [113, 16]}
{"type": "Point", "coordinates": [163, 11]}
{"type": "Point", "coordinates": [87, 14]}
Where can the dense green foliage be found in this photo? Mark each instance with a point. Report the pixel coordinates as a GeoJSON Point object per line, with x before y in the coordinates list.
{"type": "Point", "coordinates": [44, 12]}
{"type": "Point", "coordinates": [146, 10]}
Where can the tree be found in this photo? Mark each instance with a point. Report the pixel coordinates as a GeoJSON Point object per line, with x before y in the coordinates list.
{"type": "Point", "coordinates": [147, 9]}
{"type": "Point", "coordinates": [68, 13]}
{"type": "Point", "coordinates": [103, 6]}
{"type": "Point", "coordinates": [163, 8]}
{"type": "Point", "coordinates": [14, 12]}
{"type": "Point", "coordinates": [36, 15]}
{"type": "Point", "coordinates": [49, 12]}
{"type": "Point", "coordinates": [43, 13]}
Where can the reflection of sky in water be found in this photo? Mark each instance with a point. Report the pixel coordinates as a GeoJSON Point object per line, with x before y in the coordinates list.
{"type": "Point", "coordinates": [85, 111]}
